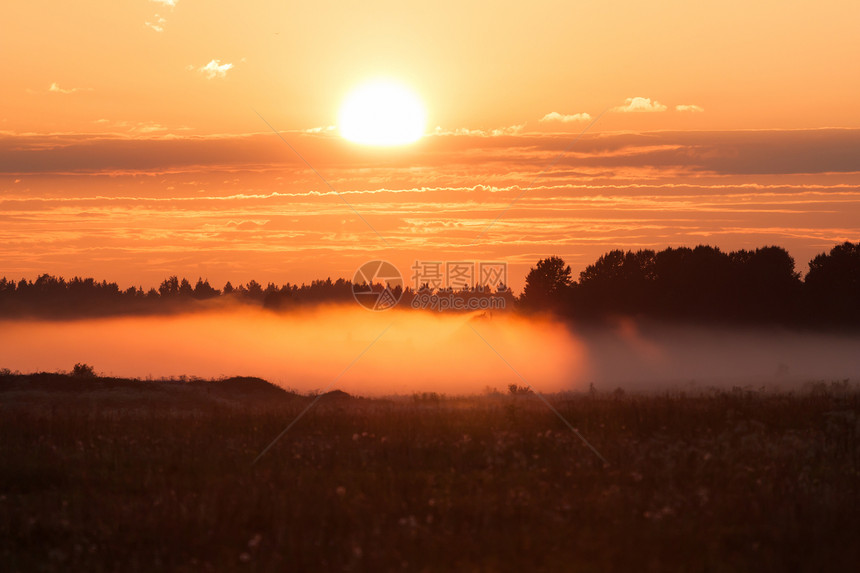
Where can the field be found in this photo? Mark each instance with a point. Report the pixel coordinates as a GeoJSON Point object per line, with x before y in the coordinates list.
{"type": "Point", "coordinates": [120, 475]}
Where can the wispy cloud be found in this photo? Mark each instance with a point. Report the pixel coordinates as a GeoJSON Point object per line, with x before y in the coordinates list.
{"type": "Point", "coordinates": [509, 130]}
{"type": "Point", "coordinates": [168, 217]}
{"type": "Point", "coordinates": [56, 89]}
{"type": "Point", "coordinates": [693, 108]}
{"type": "Point", "coordinates": [146, 146]}
{"type": "Point", "coordinates": [214, 69]}
{"type": "Point", "coordinates": [562, 118]}
{"type": "Point", "coordinates": [497, 132]}
{"type": "Point", "coordinates": [640, 104]}
{"type": "Point", "coordinates": [157, 24]}
{"type": "Point", "coordinates": [140, 127]}
{"type": "Point", "coordinates": [320, 129]}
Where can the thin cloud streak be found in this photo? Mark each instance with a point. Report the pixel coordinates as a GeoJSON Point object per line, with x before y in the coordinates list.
{"type": "Point", "coordinates": [55, 88]}
{"type": "Point", "coordinates": [694, 153]}
{"type": "Point", "coordinates": [138, 208]}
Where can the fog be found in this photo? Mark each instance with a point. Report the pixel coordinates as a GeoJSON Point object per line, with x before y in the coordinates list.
{"type": "Point", "coordinates": [400, 352]}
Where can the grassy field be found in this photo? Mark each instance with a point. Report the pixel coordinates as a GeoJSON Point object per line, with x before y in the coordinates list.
{"type": "Point", "coordinates": [116, 475]}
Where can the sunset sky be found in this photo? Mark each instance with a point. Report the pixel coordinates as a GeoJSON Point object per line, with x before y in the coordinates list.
{"type": "Point", "coordinates": [135, 138]}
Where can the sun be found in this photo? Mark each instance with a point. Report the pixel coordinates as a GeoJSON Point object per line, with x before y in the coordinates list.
{"type": "Point", "coordinates": [382, 112]}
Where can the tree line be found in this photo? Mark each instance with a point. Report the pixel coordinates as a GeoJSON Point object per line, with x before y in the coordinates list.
{"type": "Point", "coordinates": [703, 284]}
{"type": "Point", "coordinates": [700, 284]}
{"type": "Point", "coordinates": [56, 296]}
{"type": "Point", "coordinates": [50, 296]}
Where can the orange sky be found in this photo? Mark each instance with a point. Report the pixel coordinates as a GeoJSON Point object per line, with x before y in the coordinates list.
{"type": "Point", "coordinates": [131, 148]}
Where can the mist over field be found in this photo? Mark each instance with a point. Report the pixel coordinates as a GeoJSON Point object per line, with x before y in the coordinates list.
{"type": "Point", "coordinates": [399, 352]}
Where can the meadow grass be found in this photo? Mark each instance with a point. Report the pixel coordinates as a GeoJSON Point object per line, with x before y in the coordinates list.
{"type": "Point", "coordinates": [717, 481]}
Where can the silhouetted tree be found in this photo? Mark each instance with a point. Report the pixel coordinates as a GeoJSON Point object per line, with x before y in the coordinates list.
{"type": "Point", "coordinates": [547, 285]}
{"type": "Point", "coordinates": [832, 286]}
{"type": "Point", "coordinates": [185, 288]}
{"type": "Point", "coordinates": [279, 300]}
{"type": "Point", "coordinates": [693, 284]}
{"type": "Point", "coordinates": [203, 290]}
{"type": "Point", "coordinates": [82, 370]}
{"type": "Point", "coordinates": [169, 286]}
{"type": "Point", "coordinates": [254, 290]}
{"type": "Point", "coordinates": [515, 390]}
{"type": "Point", "coordinates": [701, 284]}
{"type": "Point", "coordinates": [617, 282]}
{"type": "Point", "coordinates": [506, 294]}
{"type": "Point", "coordinates": [767, 286]}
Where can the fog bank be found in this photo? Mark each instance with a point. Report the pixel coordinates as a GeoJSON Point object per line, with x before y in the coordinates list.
{"type": "Point", "coordinates": [369, 353]}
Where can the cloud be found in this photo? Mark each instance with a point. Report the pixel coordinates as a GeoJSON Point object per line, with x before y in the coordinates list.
{"type": "Point", "coordinates": [640, 104]}
{"type": "Point", "coordinates": [320, 129]}
{"type": "Point", "coordinates": [140, 127]}
{"type": "Point", "coordinates": [693, 108]}
{"type": "Point", "coordinates": [158, 24]}
{"type": "Point", "coordinates": [509, 130]}
{"type": "Point", "coordinates": [555, 116]}
{"type": "Point", "coordinates": [497, 132]}
{"type": "Point", "coordinates": [148, 127]}
{"type": "Point", "coordinates": [247, 224]}
{"type": "Point", "coordinates": [148, 147]}
{"type": "Point", "coordinates": [215, 69]}
{"type": "Point", "coordinates": [56, 89]}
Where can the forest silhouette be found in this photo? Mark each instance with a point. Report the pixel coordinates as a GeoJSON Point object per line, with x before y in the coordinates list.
{"type": "Point", "coordinates": [703, 285]}
{"type": "Point", "coordinates": [699, 285]}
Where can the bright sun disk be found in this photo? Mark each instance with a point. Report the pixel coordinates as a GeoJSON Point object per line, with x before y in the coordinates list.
{"type": "Point", "coordinates": [382, 113]}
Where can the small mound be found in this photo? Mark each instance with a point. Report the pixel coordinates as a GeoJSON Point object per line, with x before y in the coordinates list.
{"type": "Point", "coordinates": [244, 386]}
{"type": "Point", "coordinates": [335, 396]}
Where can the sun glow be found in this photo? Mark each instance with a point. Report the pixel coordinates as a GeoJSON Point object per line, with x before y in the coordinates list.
{"type": "Point", "coordinates": [382, 113]}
